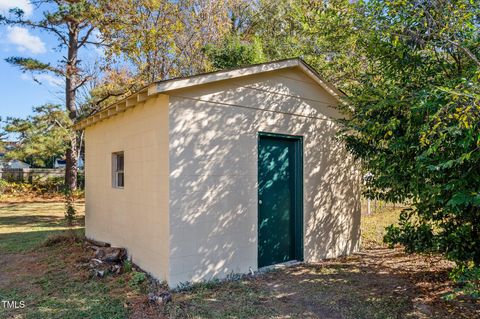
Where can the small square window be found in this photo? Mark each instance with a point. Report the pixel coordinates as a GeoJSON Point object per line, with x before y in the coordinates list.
{"type": "Point", "coordinates": [118, 175]}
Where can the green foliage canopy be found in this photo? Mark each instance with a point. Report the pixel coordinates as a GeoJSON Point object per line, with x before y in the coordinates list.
{"type": "Point", "coordinates": [233, 52]}
{"type": "Point", "coordinates": [42, 136]}
{"type": "Point", "coordinates": [416, 121]}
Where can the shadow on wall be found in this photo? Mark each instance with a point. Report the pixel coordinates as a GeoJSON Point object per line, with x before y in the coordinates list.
{"type": "Point", "coordinates": [213, 177]}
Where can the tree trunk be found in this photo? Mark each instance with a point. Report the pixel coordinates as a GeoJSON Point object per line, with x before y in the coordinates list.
{"type": "Point", "coordinates": [71, 166]}
{"type": "Point", "coordinates": [70, 95]}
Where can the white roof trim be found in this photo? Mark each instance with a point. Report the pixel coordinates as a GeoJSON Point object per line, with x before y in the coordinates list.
{"type": "Point", "coordinates": [175, 84]}
{"type": "Point", "coordinates": [182, 83]}
{"type": "Point", "coordinates": [337, 94]}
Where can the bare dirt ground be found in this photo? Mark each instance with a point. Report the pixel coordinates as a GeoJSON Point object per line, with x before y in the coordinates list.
{"type": "Point", "coordinates": [377, 283]}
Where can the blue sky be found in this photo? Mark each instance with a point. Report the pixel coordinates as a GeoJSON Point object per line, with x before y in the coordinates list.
{"type": "Point", "coordinates": [18, 90]}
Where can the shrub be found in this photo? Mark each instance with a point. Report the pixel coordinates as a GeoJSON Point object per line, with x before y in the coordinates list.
{"type": "Point", "coordinates": [70, 210]}
{"type": "Point", "coordinates": [3, 185]}
{"type": "Point", "coordinates": [468, 279]}
{"type": "Point", "coordinates": [15, 188]}
{"type": "Point", "coordinates": [41, 187]}
{"type": "Point", "coordinates": [49, 185]}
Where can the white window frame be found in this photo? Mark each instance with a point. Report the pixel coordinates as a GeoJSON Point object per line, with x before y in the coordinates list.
{"type": "Point", "coordinates": [116, 171]}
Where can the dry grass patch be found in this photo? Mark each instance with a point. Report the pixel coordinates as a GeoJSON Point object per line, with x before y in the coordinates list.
{"type": "Point", "coordinates": [373, 225]}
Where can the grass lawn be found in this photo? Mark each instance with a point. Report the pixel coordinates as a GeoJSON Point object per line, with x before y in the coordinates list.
{"type": "Point", "coordinates": [376, 283]}
{"type": "Point", "coordinates": [23, 226]}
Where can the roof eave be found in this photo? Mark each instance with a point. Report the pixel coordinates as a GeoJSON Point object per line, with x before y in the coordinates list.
{"type": "Point", "coordinates": [183, 83]}
{"type": "Point", "coordinates": [113, 109]}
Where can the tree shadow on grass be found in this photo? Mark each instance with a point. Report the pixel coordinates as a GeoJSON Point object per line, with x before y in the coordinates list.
{"type": "Point", "coordinates": [33, 220]}
{"type": "Point", "coordinates": [25, 227]}
{"type": "Point", "coordinates": [19, 242]}
{"type": "Point", "coordinates": [39, 221]}
{"type": "Point", "coordinates": [305, 291]}
{"type": "Point", "coordinates": [341, 291]}
{"type": "Point", "coordinates": [379, 284]}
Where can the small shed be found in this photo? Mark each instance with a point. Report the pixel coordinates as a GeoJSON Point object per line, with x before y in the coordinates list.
{"type": "Point", "coordinates": [225, 172]}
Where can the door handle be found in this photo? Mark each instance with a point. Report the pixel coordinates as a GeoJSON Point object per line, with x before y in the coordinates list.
{"type": "Point", "coordinates": [260, 201]}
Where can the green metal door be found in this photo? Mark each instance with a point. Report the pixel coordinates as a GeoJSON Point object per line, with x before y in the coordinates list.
{"type": "Point", "coordinates": [279, 199]}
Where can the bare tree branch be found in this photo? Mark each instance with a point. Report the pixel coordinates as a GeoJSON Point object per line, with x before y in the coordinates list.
{"type": "Point", "coordinates": [84, 39]}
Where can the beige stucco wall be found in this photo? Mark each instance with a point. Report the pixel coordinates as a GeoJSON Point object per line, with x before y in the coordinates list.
{"type": "Point", "coordinates": [213, 172]}
{"type": "Point", "coordinates": [135, 217]}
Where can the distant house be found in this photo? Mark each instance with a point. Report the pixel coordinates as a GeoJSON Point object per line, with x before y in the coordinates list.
{"type": "Point", "coordinates": [16, 164]}
{"type": "Point", "coordinates": [224, 172]}
{"type": "Point", "coordinates": [61, 163]}
{"type": "Point", "coordinates": [11, 163]}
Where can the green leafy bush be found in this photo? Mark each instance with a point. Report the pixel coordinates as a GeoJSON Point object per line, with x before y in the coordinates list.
{"type": "Point", "coordinates": [416, 236]}
{"type": "Point", "coordinates": [48, 185]}
{"type": "Point", "coordinates": [468, 279]}
{"type": "Point", "coordinates": [415, 122]}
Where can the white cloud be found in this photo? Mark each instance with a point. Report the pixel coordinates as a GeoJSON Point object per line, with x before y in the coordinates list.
{"type": "Point", "coordinates": [50, 79]}
{"type": "Point", "coordinates": [25, 41]}
{"type": "Point", "coordinates": [25, 5]}
{"type": "Point", "coordinates": [44, 78]}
